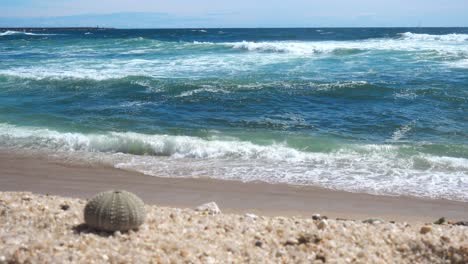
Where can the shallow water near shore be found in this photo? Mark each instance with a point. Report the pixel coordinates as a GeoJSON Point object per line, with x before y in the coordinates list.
{"type": "Point", "coordinates": [380, 111]}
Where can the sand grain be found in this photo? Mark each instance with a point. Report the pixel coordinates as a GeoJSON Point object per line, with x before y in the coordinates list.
{"type": "Point", "coordinates": [50, 229]}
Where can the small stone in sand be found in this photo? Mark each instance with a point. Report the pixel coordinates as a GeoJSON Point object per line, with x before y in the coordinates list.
{"type": "Point", "coordinates": [308, 238]}
{"type": "Point", "coordinates": [373, 221]}
{"type": "Point", "coordinates": [209, 208]}
{"type": "Point", "coordinates": [440, 221]}
{"type": "Point", "coordinates": [425, 229]}
{"type": "Point", "coordinates": [253, 216]}
{"type": "Point", "coordinates": [462, 223]}
{"type": "Point", "coordinates": [322, 224]}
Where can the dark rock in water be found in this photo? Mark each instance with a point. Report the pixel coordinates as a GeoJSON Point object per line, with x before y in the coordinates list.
{"type": "Point", "coordinates": [258, 243]}
{"type": "Point", "coordinates": [462, 223]}
{"type": "Point", "coordinates": [440, 221]}
{"type": "Point", "coordinates": [64, 207]}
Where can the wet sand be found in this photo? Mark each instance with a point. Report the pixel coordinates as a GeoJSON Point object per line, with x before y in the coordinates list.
{"type": "Point", "coordinates": [46, 176]}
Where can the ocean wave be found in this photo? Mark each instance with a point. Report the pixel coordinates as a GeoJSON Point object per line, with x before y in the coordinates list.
{"type": "Point", "coordinates": [289, 47]}
{"type": "Point", "coordinates": [350, 167]}
{"type": "Point", "coordinates": [402, 131]}
{"type": "Point", "coordinates": [203, 89]}
{"type": "Point", "coordinates": [10, 33]}
{"type": "Point", "coordinates": [351, 47]}
{"type": "Point", "coordinates": [189, 87]}
{"type": "Point", "coordinates": [462, 64]}
{"type": "Point", "coordinates": [340, 85]}
{"type": "Point", "coordinates": [97, 69]}
{"type": "Point", "coordinates": [208, 59]}
{"type": "Point", "coordinates": [427, 37]}
{"type": "Point", "coordinates": [141, 144]}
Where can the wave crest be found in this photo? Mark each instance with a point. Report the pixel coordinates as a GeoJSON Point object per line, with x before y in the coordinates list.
{"type": "Point", "coordinates": [427, 37]}
{"type": "Point", "coordinates": [442, 44]}
{"type": "Point", "coordinates": [283, 47]}
{"type": "Point", "coordinates": [350, 167]}
{"type": "Point", "coordinates": [12, 32]}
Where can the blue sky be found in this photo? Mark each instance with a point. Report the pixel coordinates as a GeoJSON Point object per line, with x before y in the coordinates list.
{"type": "Point", "coordinates": [239, 13]}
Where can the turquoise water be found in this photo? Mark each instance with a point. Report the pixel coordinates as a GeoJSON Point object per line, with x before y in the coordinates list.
{"type": "Point", "coordinates": [380, 111]}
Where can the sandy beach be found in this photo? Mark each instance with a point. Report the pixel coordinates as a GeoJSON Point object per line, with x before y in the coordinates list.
{"type": "Point", "coordinates": [50, 229]}
{"type": "Point", "coordinates": [259, 223]}
{"type": "Point", "coordinates": [223, 133]}
{"type": "Point", "coordinates": [20, 172]}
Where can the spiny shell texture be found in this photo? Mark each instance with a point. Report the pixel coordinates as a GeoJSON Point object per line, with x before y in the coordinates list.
{"type": "Point", "coordinates": [115, 210]}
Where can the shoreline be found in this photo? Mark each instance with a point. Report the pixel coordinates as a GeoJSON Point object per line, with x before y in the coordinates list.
{"type": "Point", "coordinates": [43, 175]}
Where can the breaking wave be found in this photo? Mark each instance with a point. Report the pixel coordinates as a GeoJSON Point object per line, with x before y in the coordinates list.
{"type": "Point", "coordinates": [407, 42]}
{"type": "Point", "coordinates": [427, 37]}
{"type": "Point", "coordinates": [349, 167]}
{"type": "Point", "coordinates": [284, 106]}
{"type": "Point", "coordinates": [10, 33]}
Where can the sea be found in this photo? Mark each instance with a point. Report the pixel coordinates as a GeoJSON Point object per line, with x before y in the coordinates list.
{"type": "Point", "coordinates": [370, 110]}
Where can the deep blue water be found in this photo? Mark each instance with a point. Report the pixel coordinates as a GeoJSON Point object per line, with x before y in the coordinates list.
{"type": "Point", "coordinates": [370, 110]}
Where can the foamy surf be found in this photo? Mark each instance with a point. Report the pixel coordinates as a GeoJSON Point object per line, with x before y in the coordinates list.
{"type": "Point", "coordinates": [231, 58]}
{"type": "Point", "coordinates": [11, 32]}
{"type": "Point", "coordinates": [365, 110]}
{"type": "Point", "coordinates": [428, 37]}
{"type": "Point", "coordinates": [350, 167]}
{"type": "Point", "coordinates": [407, 42]}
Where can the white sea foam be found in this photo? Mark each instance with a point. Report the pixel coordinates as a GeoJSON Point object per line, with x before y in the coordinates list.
{"type": "Point", "coordinates": [427, 37]}
{"type": "Point", "coordinates": [257, 55]}
{"type": "Point", "coordinates": [325, 47]}
{"type": "Point", "coordinates": [203, 89]}
{"type": "Point", "coordinates": [401, 132]}
{"type": "Point", "coordinates": [96, 69]}
{"type": "Point", "coordinates": [462, 64]}
{"type": "Point", "coordinates": [10, 32]}
{"type": "Point", "coordinates": [281, 46]}
{"type": "Point", "coordinates": [340, 85]}
{"type": "Point", "coordinates": [351, 167]}
{"type": "Point", "coordinates": [408, 42]}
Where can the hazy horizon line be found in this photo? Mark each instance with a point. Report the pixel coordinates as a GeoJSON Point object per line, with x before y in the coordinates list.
{"type": "Point", "coordinates": [148, 20]}
{"type": "Point", "coordinates": [285, 27]}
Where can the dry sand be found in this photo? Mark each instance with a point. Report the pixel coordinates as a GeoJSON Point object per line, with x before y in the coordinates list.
{"type": "Point", "coordinates": [50, 229]}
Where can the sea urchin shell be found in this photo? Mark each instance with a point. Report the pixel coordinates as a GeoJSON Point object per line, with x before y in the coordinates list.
{"type": "Point", "coordinates": [115, 210]}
